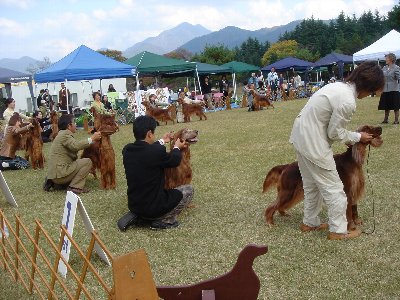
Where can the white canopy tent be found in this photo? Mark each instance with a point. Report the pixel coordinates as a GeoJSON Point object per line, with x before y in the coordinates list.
{"type": "Point", "coordinates": [376, 51]}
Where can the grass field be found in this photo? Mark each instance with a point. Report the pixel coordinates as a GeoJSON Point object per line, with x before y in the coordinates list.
{"type": "Point", "coordinates": [235, 151]}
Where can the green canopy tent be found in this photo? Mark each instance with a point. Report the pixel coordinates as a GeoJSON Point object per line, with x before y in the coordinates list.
{"type": "Point", "coordinates": [239, 67]}
{"type": "Point", "coordinates": [151, 64]}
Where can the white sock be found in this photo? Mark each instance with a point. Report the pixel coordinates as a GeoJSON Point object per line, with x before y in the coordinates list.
{"type": "Point", "coordinates": [5, 164]}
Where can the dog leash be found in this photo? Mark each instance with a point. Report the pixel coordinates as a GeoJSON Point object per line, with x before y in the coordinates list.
{"type": "Point", "coordinates": [373, 198]}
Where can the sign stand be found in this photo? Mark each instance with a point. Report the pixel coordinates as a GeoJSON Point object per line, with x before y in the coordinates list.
{"type": "Point", "coordinates": [72, 203]}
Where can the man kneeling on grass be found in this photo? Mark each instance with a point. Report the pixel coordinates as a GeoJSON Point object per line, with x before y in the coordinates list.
{"type": "Point", "coordinates": [144, 163]}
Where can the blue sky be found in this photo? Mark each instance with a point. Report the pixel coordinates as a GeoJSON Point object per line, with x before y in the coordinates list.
{"type": "Point", "coordinates": [50, 28]}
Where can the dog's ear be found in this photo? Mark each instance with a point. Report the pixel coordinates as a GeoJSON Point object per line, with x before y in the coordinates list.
{"type": "Point", "coordinates": [358, 153]}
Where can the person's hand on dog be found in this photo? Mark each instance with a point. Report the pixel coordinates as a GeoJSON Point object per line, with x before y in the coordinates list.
{"type": "Point", "coordinates": [180, 144]}
{"type": "Point", "coordinates": [366, 137]}
{"type": "Point", "coordinates": [96, 136]}
{"type": "Point", "coordinates": [168, 137]}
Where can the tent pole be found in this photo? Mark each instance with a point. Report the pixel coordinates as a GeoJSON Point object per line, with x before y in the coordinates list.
{"type": "Point", "coordinates": [198, 79]}
{"type": "Point", "coordinates": [138, 96]}
{"type": "Point", "coordinates": [234, 85]}
{"type": "Point", "coordinates": [66, 94]}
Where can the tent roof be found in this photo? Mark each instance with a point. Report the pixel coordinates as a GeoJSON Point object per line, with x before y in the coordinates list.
{"type": "Point", "coordinates": [333, 58]}
{"type": "Point", "coordinates": [390, 42]}
{"type": "Point", "coordinates": [240, 67]}
{"type": "Point", "coordinates": [204, 69]}
{"type": "Point", "coordinates": [8, 76]}
{"type": "Point", "coordinates": [84, 64]}
{"type": "Point", "coordinates": [288, 63]}
{"type": "Point", "coordinates": [153, 64]}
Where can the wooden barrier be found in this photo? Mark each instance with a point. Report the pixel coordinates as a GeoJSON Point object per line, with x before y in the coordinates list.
{"type": "Point", "coordinates": [32, 260]}
{"type": "Point", "coordinates": [35, 265]}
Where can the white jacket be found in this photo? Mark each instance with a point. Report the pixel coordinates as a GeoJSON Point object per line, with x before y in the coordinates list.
{"type": "Point", "coordinates": [322, 121]}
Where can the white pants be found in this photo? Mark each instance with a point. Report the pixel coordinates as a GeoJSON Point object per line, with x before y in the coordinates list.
{"type": "Point", "coordinates": [323, 185]}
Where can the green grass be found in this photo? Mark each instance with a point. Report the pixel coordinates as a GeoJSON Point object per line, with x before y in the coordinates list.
{"type": "Point", "coordinates": [235, 151]}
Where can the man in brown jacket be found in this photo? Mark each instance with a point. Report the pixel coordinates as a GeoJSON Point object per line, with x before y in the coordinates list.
{"type": "Point", "coordinates": [62, 97]}
{"type": "Point", "coordinates": [64, 166]}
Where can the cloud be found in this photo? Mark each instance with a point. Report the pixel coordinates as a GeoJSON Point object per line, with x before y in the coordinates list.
{"type": "Point", "coordinates": [13, 29]}
{"type": "Point", "coordinates": [21, 4]}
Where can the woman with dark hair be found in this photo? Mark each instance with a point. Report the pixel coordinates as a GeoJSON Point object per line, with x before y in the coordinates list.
{"type": "Point", "coordinates": [45, 124]}
{"type": "Point", "coordinates": [390, 98]}
{"type": "Point", "coordinates": [106, 103]}
{"type": "Point", "coordinates": [8, 157]}
{"type": "Point", "coordinates": [322, 121]}
{"type": "Point", "coordinates": [97, 104]}
{"type": "Point", "coordinates": [111, 88]}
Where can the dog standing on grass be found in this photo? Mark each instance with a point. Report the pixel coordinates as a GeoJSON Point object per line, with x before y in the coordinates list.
{"type": "Point", "coordinates": [349, 165]}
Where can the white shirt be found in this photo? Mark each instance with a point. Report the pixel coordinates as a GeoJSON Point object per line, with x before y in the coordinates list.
{"type": "Point", "coordinates": [322, 121]}
{"type": "Point", "coordinates": [272, 78]}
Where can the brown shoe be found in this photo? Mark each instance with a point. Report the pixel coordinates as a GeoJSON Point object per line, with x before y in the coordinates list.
{"type": "Point", "coordinates": [77, 190]}
{"type": "Point", "coordinates": [344, 236]}
{"type": "Point", "coordinates": [306, 228]}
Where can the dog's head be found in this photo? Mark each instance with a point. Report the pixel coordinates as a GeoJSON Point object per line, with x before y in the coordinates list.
{"type": "Point", "coordinates": [180, 100]}
{"type": "Point", "coordinates": [36, 130]}
{"type": "Point", "coordinates": [146, 104]}
{"type": "Point", "coordinates": [359, 149]}
{"type": "Point", "coordinates": [107, 124]}
{"type": "Point", "coordinates": [253, 92]}
{"type": "Point", "coordinates": [376, 132]}
{"type": "Point", "coordinates": [54, 117]}
{"type": "Point", "coordinates": [188, 135]}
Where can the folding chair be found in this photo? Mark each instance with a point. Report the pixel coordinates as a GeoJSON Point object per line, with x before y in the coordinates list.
{"type": "Point", "coordinates": [123, 114]}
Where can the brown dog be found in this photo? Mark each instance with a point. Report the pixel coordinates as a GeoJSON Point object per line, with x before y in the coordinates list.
{"type": "Point", "coordinates": [228, 100]}
{"type": "Point", "coordinates": [260, 101]}
{"type": "Point", "coordinates": [101, 153]}
{"type": "Point", "coordinates": [160, 114]}
{"type": "Point", "coordinates": [54, 124]}
{"type": "Point", "coordinates": [182, 174]}
{"type": "Point", "coordinates": [289, 184]}
{"type": "Point", "coordinates": [191, 109]}
{"type": "Point", "coordinates": [34, 145]}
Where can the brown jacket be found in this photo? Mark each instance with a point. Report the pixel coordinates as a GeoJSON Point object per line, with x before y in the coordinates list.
{"type": "Point", "coordinates": [63, 154]}
{"type": "Point", "coordinates": [62, 98]}
{"type": "Point", "coordinates": [12, 139]}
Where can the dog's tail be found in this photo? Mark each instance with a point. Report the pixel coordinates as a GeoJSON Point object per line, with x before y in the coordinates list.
{"type": "Point", "coordinates": [272, 177]}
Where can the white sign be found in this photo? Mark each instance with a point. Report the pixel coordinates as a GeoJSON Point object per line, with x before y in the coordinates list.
{"type": "Point", "coordinates": [68, 220]}
{"type": "Point", "coordinates": [72, 202]}
{"type": "Point", "coordinates": [6, 191]}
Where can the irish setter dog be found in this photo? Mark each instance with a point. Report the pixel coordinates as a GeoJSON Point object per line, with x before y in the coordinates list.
{"type": "Point", "coordinates": [349, 164]}
{"type": "Point", "coordinates": [160, 114]}
{"type": "Point", "coordinates": [260, 101]}
{"type": "Point", "coordinates": [34, 145]}
{"type": "Point", "coordinates": [182, 174]}
{"type": "Point", "coordinates": [54, 124]}
{"type": "Point", "coordinates": [191, 109]}
{"type": "Point", "coordinates": [102, 153]}
{"type": "Point", "coordinates": [228, 100]}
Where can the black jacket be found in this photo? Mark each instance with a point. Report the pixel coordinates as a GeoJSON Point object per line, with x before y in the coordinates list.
{"type": "Point", "coordinates": [144, 170]}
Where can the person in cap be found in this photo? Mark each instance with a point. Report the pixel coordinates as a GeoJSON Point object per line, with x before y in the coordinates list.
{"type": "Point", "coordinates": [390, 97]}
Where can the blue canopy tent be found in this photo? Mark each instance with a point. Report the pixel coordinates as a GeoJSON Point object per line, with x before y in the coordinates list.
{"type": "Point", "coordinates": [84, 64]}
{"type": "Point", "coordinates": [287, 64]}
{"type": "Point", "coordinates": [8, 76]}
{"type": "Point", "coordinates": [334, 58]}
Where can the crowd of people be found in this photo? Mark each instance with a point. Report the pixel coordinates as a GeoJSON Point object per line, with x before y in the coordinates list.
{"type": "Point", "coordinates": [321, 122]}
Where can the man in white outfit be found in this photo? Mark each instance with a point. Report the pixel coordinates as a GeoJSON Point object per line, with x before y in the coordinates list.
{"type": "Point", "coordinates": [321, 122]}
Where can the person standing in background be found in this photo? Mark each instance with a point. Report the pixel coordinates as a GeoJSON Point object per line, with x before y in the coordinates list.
{"type": "Point", "coordinates": [62, 98]}
{"type": "Point", "coordinates": [111, 88]}
{"type": "Point", "coordinates": [390, 97]}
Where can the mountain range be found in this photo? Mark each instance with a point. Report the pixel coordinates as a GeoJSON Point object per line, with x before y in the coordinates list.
{"type": "Point", "coordinates": [193, 38]}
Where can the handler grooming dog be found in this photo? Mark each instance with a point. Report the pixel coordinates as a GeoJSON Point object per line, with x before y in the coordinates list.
{"type": "Point", "coordinates": [321, 122]}
{"type": "Point", "coordinates": [145, 161]}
